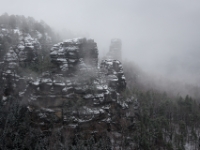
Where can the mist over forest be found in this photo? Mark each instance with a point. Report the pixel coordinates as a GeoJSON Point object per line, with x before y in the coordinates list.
{"type": "Point", "coordinates": [100, 74]}
{"type": "Point", "coordinates": [160, 37]}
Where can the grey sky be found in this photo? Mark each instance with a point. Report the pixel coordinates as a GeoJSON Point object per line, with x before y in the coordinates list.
{"type": "Point", "coordinates": [153, 32]}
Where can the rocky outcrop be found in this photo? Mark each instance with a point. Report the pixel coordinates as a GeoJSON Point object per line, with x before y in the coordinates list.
{"type": "Point", "coordinates": [27, 49]}
{"type": "Point", "coordinates": [52, 94]}
{"type": "Point", "coordinates": [25, 45]}
{"type": "Point", "coordinates": [11, 82]}
{"type": "Point", "coordinates": [70, 54]}
{"type": "Point", "coordinates": [115, 50]}
{"type": "Point", "coordinates": [23, 53]}
{"type": "Point", "coordinates": [78, 95]}
{"type": "Point", "coordinates": [113, 71]}
{"type": "Point", "coordinates": [9, 74]}
{"type": "Point", "coordinates": [75, 94]}
{"type": "Point", "coordinates": [82, 106]}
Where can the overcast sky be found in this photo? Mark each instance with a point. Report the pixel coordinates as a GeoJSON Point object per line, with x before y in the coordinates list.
{"type": "Point", "coordinates": [153, 32]}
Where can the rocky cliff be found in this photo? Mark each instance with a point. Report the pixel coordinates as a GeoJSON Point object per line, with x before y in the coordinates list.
{"type": "Point", "coordinates": [23, 51]}
{"type": "Point", "coordinates": [72, 54]}
{"type": "Point", "coordinates": [75, 94]}
{"type": "Point", "coordinates": [76, 79]}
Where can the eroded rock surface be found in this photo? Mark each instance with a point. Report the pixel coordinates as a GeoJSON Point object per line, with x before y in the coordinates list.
{"type": "Point", "coordinates": [68, 55]}
{"type": "Point", "coordinates": [113, 71]}
{"type": "Point", "coordinates": [75, 94]}
{"type": "Point", "coordinates": [23, 53]}
{"type": "Point", "coordinates": [9, 76]}
{"type": "Point", "coordinates": [27, 50]}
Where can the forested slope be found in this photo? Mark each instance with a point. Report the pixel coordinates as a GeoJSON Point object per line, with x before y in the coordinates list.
{"type": "Point", "coordinates": [131, 114]}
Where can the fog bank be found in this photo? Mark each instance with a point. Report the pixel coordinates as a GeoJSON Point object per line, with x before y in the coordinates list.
{"type": "Point", "coordinates": [161, 37]}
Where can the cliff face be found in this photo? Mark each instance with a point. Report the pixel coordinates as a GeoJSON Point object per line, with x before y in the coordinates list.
{"type": "Point", "coordinates": [71, 55]}
{"type": "Point", "coordinates": [9, 76]}
{"type": "Point", "coordinates": [79, 96]}
{"type": "Point", "coordinates": [23, 51]}
{"type": "Point", "coordinates": [27, 49]}
{"type": "Point", "coordinates": [76, 79]}
{"type": "Point", "coordinates": [75, 93]}
{"type": "Point", "coordinates": [63, 86]}
{"type": "Point", "coordinates": [115, 75]}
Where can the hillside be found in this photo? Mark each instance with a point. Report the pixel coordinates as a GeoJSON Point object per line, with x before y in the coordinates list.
{"type": "Point", "coordinates": [57, 95]}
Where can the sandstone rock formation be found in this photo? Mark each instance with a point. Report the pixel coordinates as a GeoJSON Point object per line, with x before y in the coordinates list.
{"type": "Point", "coordinates": [22, 54]}
{"type": "Point", "coordinates": [115, 50]}
{"type": "Point", "coordinates": [114, 73]}
{"type": "Point", "coordinates": [27, 49]}
{"type": "Point", "coordinates": [68, 55]}
{"type": "Point", "coordinates": [9, 75]}
{"type": "Point", "coordinates": [75, 94]}
{"type": "Point", "coordinates": [79, 96]}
